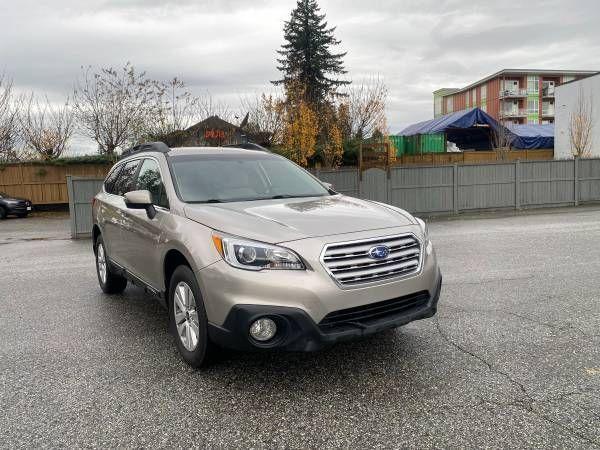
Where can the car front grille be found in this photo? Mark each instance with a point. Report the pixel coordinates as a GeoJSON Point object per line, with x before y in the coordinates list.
{"type": "Point", "coordinates": [349, 263]}
{"type": "Point", "coordinates": [364, 316]}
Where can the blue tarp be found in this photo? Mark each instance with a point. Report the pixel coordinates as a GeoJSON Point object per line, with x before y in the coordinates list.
{"type": "Point", "coordinates": [460, 119]}
{"type": "Point", "coordinates": [533, 136]}
{"type": "Point", "coordinates": [460, 127]}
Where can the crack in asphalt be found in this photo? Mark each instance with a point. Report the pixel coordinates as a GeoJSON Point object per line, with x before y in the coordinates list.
{"type": "Point", "coordinates": [526, 403]}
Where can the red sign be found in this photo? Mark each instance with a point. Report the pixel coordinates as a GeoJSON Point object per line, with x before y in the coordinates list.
{"type": "Point", "coordinates": [214, 134]}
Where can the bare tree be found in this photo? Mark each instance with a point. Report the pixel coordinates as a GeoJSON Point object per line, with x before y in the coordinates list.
{"type": "Point", "coordinates": [9, 124]}
{"type": "Point", "coordinates": [366, 107]}
{"type": "Point", "coordinates": [501, 139]}
{"type": "Point", "coordinates": [265, 116]}
{"type": "Point", "coordinates": [111, 105]}
{"type": "Point", "coordinates": [581, 125]}
{"type": "Point", "coordinates": [172, 109]}
{"type": "Point", "coordinates": [45, 128]}
{"type": "Point", "coordinates": [208, 106]}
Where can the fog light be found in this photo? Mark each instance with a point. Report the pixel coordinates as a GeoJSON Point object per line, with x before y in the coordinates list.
{"type": "Point", "coordinates": [263, 329]}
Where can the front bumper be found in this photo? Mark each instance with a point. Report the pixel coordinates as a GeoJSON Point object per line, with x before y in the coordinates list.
{"type": "Point", "coordinates": [18, 208]}
{"type": "Point", "coordinates": [298, 332]}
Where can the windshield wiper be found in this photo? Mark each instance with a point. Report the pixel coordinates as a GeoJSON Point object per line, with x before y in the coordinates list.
{"type": "Point", "coordinates": [294, 196]}
{"type": "Point", "coordinates": [212, 200]}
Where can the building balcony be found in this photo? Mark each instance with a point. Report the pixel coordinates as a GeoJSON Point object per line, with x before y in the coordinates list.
{"type": "Point", "coordinates": [513, 93]}
{"type": "Point", "coordinates": [548, 112]}
{"type": "Point", "coordinates": [515, 112]}
{"type": "Point", "coordinates": [548, 92]}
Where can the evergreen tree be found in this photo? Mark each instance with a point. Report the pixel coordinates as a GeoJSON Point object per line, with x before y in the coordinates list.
{"type": "Point", "coordinates": [306, 56]}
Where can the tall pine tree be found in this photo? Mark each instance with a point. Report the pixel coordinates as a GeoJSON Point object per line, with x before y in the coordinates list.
{"type": "Point", "coordinates": [306, 57]}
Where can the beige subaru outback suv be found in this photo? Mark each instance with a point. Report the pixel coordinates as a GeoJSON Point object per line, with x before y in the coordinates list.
{"type": "Point", "coordinates": [246, 250]}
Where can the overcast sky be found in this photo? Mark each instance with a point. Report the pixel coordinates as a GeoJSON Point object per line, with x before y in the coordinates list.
{"type": "Point", "coordinates": [228, 46]}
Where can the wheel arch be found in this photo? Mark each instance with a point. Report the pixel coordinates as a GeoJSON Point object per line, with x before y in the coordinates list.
{"type": "Point", "coordinates": [173, 259]}
{"type": "Point", "coordinates": [95, 234]}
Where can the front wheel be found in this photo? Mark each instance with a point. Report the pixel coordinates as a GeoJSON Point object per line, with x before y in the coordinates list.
{"type": "Point", "coordinates": [110, 282]}
{"type": "Point", "coordinates": [2, 213]}
{"type": "Point", "coordinates": [187, 318]}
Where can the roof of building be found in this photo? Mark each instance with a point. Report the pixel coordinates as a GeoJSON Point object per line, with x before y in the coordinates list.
{"type": "Point", "coordinates": [517, 72]}
{"type": "Point", "coordinates": [446, 91]}
{"type": "Point", "coordinates": [575, 81]}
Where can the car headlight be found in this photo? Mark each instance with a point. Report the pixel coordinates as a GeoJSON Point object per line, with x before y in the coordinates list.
{"type": "Point", "coordinates": [252, 255]}
{"type": "Point", "coordinates": [424, 228]}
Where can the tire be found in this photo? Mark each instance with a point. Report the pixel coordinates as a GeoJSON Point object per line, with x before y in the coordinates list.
{"type": "Point", "coordinates": [187, 318]}
{"type": "Point", "coordinates": [110, 282]}
{"type": "Point", "coordinates": [2, 213]}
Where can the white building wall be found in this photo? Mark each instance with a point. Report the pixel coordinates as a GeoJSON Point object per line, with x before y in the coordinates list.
{"type": "Point", "coordinates": [566, 97]}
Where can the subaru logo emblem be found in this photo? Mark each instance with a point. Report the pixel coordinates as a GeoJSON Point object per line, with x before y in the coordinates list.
{"type": "Point", "coordinates": [379, 252]}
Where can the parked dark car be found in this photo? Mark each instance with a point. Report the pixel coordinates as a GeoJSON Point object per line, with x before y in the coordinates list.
{"type": "Point", "coordinates": [13, 206]}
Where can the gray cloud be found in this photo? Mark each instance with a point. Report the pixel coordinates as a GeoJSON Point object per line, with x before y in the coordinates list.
{"type": "Point", "coordinates": [228, 46]}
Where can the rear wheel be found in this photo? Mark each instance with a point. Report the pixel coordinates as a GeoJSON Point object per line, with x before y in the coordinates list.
{"type": "Point", "coordinates": [187, 318]}
{"type": "Point", "coordinates": [2, 213]}
{"type": "Point", "coordinates": [110, 282]}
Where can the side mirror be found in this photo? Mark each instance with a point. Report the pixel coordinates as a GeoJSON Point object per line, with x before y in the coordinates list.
{"type": "Point", "coordinates": [328, 186]}
{"type": "Point", "coordinates": [141, 200]}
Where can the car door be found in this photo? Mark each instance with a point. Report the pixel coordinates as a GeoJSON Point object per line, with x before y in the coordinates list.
{"type": "Point", "coordinates": [141, 237]}
{"type": "Point", "coordinates": [115, 211]}
{"type": "Point", "coordinates": [113, 205]}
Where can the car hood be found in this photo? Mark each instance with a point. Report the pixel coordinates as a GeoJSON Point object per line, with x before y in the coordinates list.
{"type": "Point", "coordinates": [284, 220]}
{"type": "Point", "coordinates": [14, 199]}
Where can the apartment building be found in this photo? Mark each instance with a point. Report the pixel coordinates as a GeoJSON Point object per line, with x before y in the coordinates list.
{"type": "Point", "coordinates": [520, 96]}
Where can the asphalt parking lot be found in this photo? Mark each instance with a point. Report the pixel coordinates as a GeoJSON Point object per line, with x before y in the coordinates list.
{"type": "Point", "coordinates": [512, 358]}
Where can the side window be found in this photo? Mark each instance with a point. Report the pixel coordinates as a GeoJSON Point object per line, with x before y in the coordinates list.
{"type": "Point", "coordinates": [149, 179]}
{"type": "Point", "coordinates": [125, 180]}
{"type": "Point", "coordinates": [109, 183]}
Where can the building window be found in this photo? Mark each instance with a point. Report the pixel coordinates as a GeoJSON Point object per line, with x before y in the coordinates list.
{"type": "Point", "coordinates": [548, 108]}
{"type": "Point", "coordinates": [474, 97]}
{"type": "Point", "coordinates": [483, 95]}
{"type": "Point", "coordinates": [468, 99]}
{"type": "Point", "coordinates": [450, 104]}
{"type": "Point", "coordinates": [532, 106]}
{"type": "Point", "coordinates": [437, 106]}
{"type": "Point", "coordinates": [484, 107]}
{"type": "Point", "coordinates": [533, 84]}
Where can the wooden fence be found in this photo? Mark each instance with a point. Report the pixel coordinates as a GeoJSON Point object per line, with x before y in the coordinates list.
{"type": "Point", "coordinates": [473, 157]}
{"type": "Point", "coordinates": [45, 184]}
{"type": "Point", "coordinates": [379, 159]}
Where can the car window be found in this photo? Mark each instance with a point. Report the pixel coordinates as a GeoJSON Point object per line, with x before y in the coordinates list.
{"type": "Point", "coordinates": [149, 179]}
{"type": "Point", "coordinates": [227, 178]}
{"type": "Point", "coordinates": [126, 180]}
{"type": "Point", "coordinates": [109, 183]}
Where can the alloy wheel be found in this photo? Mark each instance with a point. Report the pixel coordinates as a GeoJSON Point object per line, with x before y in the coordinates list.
{"type": "Point", "coordinates": [101, 257]}
{"type": "Point", "coordinates": [186, 316]}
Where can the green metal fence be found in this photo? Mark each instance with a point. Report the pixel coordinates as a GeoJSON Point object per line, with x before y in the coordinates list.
{"type": "Point", "coordinates": [419, 144]}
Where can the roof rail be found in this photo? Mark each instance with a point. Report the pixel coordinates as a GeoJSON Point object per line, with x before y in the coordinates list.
{"type": "Point", "coordinates": [249, 146]}
{"type": "Point", "coordinates": [160, 147]}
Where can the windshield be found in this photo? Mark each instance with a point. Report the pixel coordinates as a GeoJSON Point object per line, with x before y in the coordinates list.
{"type": "Point", "coordinates": [230, 178]}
